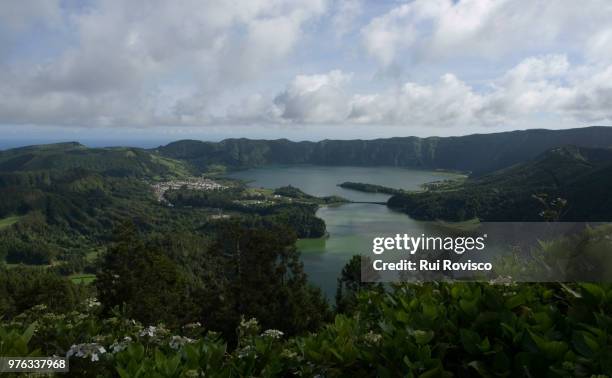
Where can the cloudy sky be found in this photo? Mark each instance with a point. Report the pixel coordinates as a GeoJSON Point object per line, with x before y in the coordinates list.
{"type": "Point", "coordinates": [301, 69]}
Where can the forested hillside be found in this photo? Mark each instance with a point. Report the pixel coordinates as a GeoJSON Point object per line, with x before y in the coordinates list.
{"type": "Point", "coordinates": [60, 203]}
{"type": "Point", "coordinates": [575, 182]}
{"type": "Point", "coordinates": [479, 153]}
{"type": "Point", "coordinates": [117, 161]}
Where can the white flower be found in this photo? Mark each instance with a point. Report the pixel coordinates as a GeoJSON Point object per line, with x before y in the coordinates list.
{"type": "Point", "coordinates": [502, 280]}
{"type": "Point", "coordinates": [273, 333]}
{"type": "Point", "coordinates": [99, 338]}
{"type": "Point", "coordinates": [176, 342]}
{"type": "Point", "coordinates": [251, 323]}
{"type": "Point", "coordinates": [249, 327]}
{"type": "Point", "coordinates": [372, 338]}
{"type": "Point", "coordinates": [93, 302]}
{"type": "Point", "coordinates": [246, 351]}
{"type": "Point", "coordinates": [39, 307]}
{"type": "Point", "coordinates": [193, 325]}
{"type": "Point", "coordinates": [118, 346]}
{"type": "Point", "coordinates": [288, 354]}
{"type": "Point", "coordinates": [149, 331]}
{"type": "Point", "coordinates": [91, 350]}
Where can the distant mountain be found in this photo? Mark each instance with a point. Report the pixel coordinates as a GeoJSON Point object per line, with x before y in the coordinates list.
{"type": "Point", "coordinates": [59, 202]}
{"type": "Point", "coordinates": [116, 161]}
{"type": "Point", "coordinates": [581, 176]}
{"type": "Point", "coordinates": [478, 153]}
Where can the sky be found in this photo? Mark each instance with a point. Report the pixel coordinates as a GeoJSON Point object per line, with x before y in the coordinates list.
{"type": "Point", "coordinates": [157, 70]}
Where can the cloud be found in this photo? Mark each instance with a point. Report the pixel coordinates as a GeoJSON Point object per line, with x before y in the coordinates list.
{"type": "Point", "coordinates": [537, 85]}
{"type": "Point", "coordinates": [345, 15]}
{"type": "Point", "coordinates": [589, 98]}
{"type": "Point", "coordinates": [449, 102]}
{"type": "Point", "coordinates": [324, 99]}
{"type": "Point", "coordinates": [315, 98]}
{"type": "Point", "coordinates": [19, 15]}
{"type": "Point", "coordinates": [435, 30]}
{"type": "Point", "coordinates": [271, 62]}
{"type": "Point", "coordinates": [126, 56]}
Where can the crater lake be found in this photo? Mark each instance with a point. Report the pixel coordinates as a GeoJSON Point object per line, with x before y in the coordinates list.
{"type": "Point", "coordinates": [351, 226]}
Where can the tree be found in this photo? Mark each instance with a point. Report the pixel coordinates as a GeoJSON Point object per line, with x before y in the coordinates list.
{"type": "Point", "coordinates": [266, 279]}
{"type": "Point", "coordinates": [149, 284]}
{"type": "Point", "coordinates": [24, 287]}
{"type": "Point", "coordinates": [350, 284]}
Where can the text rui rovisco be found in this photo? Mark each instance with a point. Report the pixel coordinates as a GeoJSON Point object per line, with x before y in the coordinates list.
{"type": "Point", "coordinates": [412, 245]}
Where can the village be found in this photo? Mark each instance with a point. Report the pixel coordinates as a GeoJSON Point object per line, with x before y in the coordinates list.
{"type": "Point", "coordinates": [193, 183]}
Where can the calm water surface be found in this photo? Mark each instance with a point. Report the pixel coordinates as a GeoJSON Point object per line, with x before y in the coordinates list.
{"type": "Point", "coordinates": [351, 227]}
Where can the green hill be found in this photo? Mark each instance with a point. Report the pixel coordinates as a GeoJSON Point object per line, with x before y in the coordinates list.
{"type": "Point", "coordinates": [117, 161]}
{"type": "Point", "coordinates": [60, 201]}
{"type": "Point", "coordinates": [580, 176]}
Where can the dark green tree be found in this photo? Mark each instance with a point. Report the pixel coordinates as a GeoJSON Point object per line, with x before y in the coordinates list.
{"type": "Point", "coordinates": [350, 283]}
{"type": "Point", "coordinates": [143, 279]}
{"type": "Point", "coordinates": [266, 280]}
{"type": "Point", "coordinates": [24, 287]}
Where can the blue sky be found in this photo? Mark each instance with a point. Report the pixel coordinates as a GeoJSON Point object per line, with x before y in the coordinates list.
{"type": "Point", "coordinates": [300, 69]}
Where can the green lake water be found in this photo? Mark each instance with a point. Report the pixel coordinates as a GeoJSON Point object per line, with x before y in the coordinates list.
{"type": "Point", "coordinates": [351, 227]}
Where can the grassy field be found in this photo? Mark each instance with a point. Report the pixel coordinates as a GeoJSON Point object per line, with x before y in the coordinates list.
{"type": "Point", "coordinates": [83, 278]}
{"type": "Point", "coordinates": [12, 266]}
{"type": "Point", "coordinates": [93, 254]}
{"type": "Point", "coordinates": [179, 168]}
{"type": "Point", "coordinates": [9, 221]}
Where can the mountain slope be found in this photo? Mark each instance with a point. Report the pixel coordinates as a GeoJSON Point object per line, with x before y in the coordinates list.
{"type": "Point", "coordinates": [582, 176]}
{"type": "Point", "coordinates": [479, 153]}
{"type": "Point", "coordinates": [116, 161]}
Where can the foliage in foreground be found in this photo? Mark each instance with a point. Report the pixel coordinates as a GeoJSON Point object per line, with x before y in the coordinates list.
{"type": "Point", "coordinates": [428, 330]}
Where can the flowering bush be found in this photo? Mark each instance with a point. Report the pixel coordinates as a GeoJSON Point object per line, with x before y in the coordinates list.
{"type": "Point", "coordinates": [437, 329]}
{"type": "Point", "coordinates": [90, 350]}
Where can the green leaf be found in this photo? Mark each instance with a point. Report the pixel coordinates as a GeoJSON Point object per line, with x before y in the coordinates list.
{"type": "Point", "coordinates": [480, 367]}
{"type": "Point", "coordinates": [423, 337]}
{"type": "Point", "coordinates": [551, 349]}
{"type": "Point", "coordinates": [123, 373]}
{"type": "Point", "coordinates": [433, 373]}
{"type": "Point", "coordinates": [515, 301]}
{"type": "Point", "coordinates": [470, 341]}
{"type": "Point", "coordinates": [29, 332]}
{"type": "Point", "coordinates": [430, 311]}
{"type": "Point", "coordinates": [593, 291]}
{"type": "Point", "coordinates": [584, 344]}
{"type": "Point", "coordinates": [469, 307]}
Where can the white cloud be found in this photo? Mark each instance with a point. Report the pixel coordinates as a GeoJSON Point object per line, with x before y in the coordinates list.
{"type": "Point", "coordinates": [156, 63]}
{"type": "Point", "coordinates": [254, 109]}
{"type": "Point", "coordinates": [345, 14]}
{"type": "Point", "coordinates": [486, 29]}
{"type": "Point", "coordinates": [402, 27]}
{"type": "Point", "coordinates": [315, 98]}
{"type": "Point", "coordinates": [589, 98]}
{"type": "Point", "coordinates": [545, 84]}
{"type": "Point", "coordinates": [127, 55]}
{"type": "Point", "coordinates": [449, 102]}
